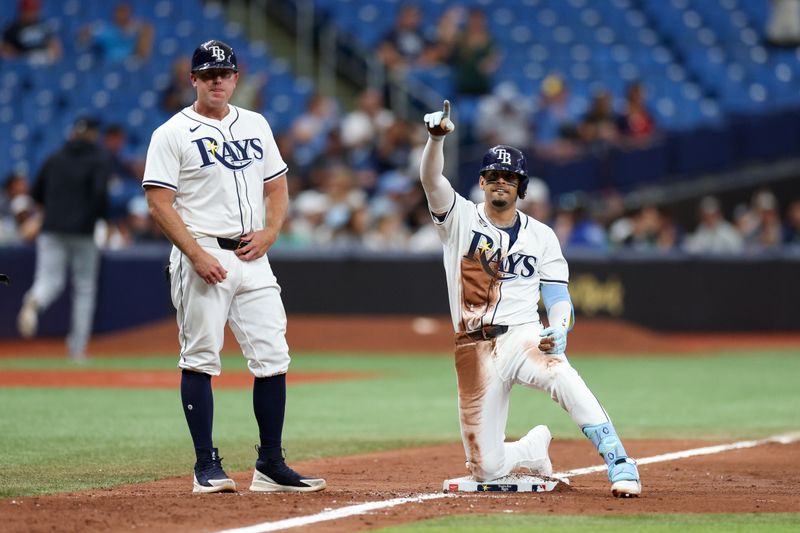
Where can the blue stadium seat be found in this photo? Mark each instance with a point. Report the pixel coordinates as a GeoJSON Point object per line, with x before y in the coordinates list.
{"type": "Point", "coordinates": [47, 100]}
{"type": "Point", "coordinates": [705, 62]}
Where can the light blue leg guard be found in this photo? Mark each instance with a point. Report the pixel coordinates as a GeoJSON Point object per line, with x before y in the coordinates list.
{"type": "Point", "coordinates": [605, 439]}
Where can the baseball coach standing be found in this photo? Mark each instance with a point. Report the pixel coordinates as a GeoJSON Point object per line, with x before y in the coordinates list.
{"type": "Point", "coordinates": [216, 185]}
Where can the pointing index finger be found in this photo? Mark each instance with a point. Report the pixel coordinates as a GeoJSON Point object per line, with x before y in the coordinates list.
{"type": "Point", "coordinates": [446, 109]}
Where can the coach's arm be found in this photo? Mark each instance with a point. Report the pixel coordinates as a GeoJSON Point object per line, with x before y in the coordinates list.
{"type": "Point", "coordinates": [159, 203]}
{"type": "Point", "coordinates": [276, 195]}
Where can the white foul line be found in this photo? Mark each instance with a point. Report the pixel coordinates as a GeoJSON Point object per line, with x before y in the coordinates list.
{"type": "Point", "coordinates": [708, 450]}
{"type": "Point", "coordinates": [334, 514]}
{"type": "Point", "coordinates": [362, 508]}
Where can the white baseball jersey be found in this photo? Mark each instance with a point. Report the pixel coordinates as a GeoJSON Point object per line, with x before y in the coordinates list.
{"type": "Point", "coordinates": [494, 279]}
{"type": "Point", "coordinates": [488, 282]}
{"type": "Point", "coordinates": [492, 283]}
{"type": "Point", "coordinates": [217, 169]}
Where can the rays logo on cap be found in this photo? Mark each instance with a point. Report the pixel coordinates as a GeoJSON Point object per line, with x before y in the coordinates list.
{"type": "Point", "coordinates": [219, 54]}
{"type": "Point", "coordinates": [503, 156]}
{"type": "Point", "coordinates": [214, 54]}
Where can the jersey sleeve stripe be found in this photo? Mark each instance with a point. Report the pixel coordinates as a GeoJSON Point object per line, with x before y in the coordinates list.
{"type": "Point", "coordinates": [156, 183]}
{"type": "Point", "coordinates": [277, 174]}
{"type": "Point", "coordinates": [554, 281]}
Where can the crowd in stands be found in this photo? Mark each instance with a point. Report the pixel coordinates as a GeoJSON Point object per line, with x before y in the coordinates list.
{"type": "Point", "coordinates": [353, 174]}
{"type": "Point", "coordinates": [460, 38]}
{"type": "Point", "coordinates": [342, 200]}
{"type": "Point", "coordinates": [553, 125]}
{"type": "Point", "coordinates": [119, 39]}
{"type": "Point", "coordinates": [750, 228]}
{"type": "Point", "coordinates": [36, 39]}
{"type": "Point", "coordinates": [31, 37]}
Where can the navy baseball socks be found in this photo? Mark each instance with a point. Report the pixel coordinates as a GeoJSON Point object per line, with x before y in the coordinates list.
{"type": "Point", "coordinates": [272, 474]}
{"type": "Point", "coordinates": [622, 471]}
{"type": "Point", "coordinates": [198, 407]}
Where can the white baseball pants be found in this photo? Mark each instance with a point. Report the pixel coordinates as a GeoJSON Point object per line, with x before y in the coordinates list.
{"type": "Point", "coordinates": [248, 300]}
{"type": "Point", "coordinates": [486, 372]}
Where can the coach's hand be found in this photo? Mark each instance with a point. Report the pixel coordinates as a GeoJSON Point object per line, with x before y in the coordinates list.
{"type": "Point", "coordinates": [208, 268]}
{"type": "Point", "coordinates": [439, 123]}
{"type": "Point", "coordinates": [259, 242]}
{"type": "Point", "coordinates": [554, 340]}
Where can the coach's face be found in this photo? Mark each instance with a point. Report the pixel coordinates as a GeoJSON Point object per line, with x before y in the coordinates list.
{"type": "Point", "coordinates": [500, 188]}
{"type": "Point", "coordinates": [215, 86]}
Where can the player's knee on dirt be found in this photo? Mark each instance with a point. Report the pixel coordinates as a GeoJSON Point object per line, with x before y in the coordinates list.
{"type": "Point", "coordinates": [488, 467]}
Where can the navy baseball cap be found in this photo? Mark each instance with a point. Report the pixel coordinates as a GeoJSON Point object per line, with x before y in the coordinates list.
{"type": "Point", "coordinates": [509, 159]}
{"type": "Point", "coordinates": [214, 54]}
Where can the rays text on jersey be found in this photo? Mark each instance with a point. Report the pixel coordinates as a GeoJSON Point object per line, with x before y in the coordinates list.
{"type": "Point", "coordinates": [509, 267]}
{"type": "Point", "coordinates": [235, 155]}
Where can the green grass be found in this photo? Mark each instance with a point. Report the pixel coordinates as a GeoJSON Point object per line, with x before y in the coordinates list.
{"type": "Point", "coordinates": [651, 523]}
{"type": "Point", "coordinates": [67, 439]}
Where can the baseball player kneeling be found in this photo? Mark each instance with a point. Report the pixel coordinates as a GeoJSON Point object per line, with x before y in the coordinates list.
{"type": "Point", "coordinates": [216, 185]}
{"type": "Point", "coordinates": [498, 261]}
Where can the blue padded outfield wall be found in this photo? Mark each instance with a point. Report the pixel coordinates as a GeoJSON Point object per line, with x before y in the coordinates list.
{"type": "Point", "coordinates": [668, 293]}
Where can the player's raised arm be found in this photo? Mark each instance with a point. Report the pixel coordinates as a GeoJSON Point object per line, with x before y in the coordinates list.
{"type": "Point", "coordinates": [437, 189]}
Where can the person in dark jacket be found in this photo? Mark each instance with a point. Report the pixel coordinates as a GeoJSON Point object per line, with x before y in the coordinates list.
{"type": "Point", "coordinates": [71, 189]}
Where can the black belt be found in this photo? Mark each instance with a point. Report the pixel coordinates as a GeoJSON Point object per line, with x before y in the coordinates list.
{"type": "Point", "coordinates": [231, 244]}
{"type": "Point", "coordinates": [487, 332]}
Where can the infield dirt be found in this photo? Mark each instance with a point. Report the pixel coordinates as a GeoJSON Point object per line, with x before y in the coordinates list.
{"type": "Point", "coordinates": [764, 479]}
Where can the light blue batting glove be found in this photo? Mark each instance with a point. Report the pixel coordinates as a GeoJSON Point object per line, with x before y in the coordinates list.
{"type": "Point", "coordinates": [554, 340]}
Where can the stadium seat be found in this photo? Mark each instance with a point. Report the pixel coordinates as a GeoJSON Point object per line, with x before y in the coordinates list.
{"type": "Point", "coordinates": [48, 99]}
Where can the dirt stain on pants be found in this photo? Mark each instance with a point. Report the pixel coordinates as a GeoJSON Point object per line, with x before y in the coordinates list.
{"type": "Point", "coordinates": [472, 360]}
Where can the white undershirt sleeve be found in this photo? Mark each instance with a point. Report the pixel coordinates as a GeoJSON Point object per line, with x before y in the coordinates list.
{"type": "Point", "coordinates": [437, 189]}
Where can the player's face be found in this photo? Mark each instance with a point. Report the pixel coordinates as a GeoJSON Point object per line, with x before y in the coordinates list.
{"type": "Point", "coordinates": [500, 188]}
{"type": "Point", "coordinates": [215, 86]}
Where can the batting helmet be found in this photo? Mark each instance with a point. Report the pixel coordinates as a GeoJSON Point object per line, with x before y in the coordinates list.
{"type": "Point", "coordinates": [214, 54]}
{"type": "Point", "coordinates": [509, 159]}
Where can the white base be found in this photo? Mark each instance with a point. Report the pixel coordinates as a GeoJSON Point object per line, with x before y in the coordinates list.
{"type": "Point", "coordinates": [510, 483]}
